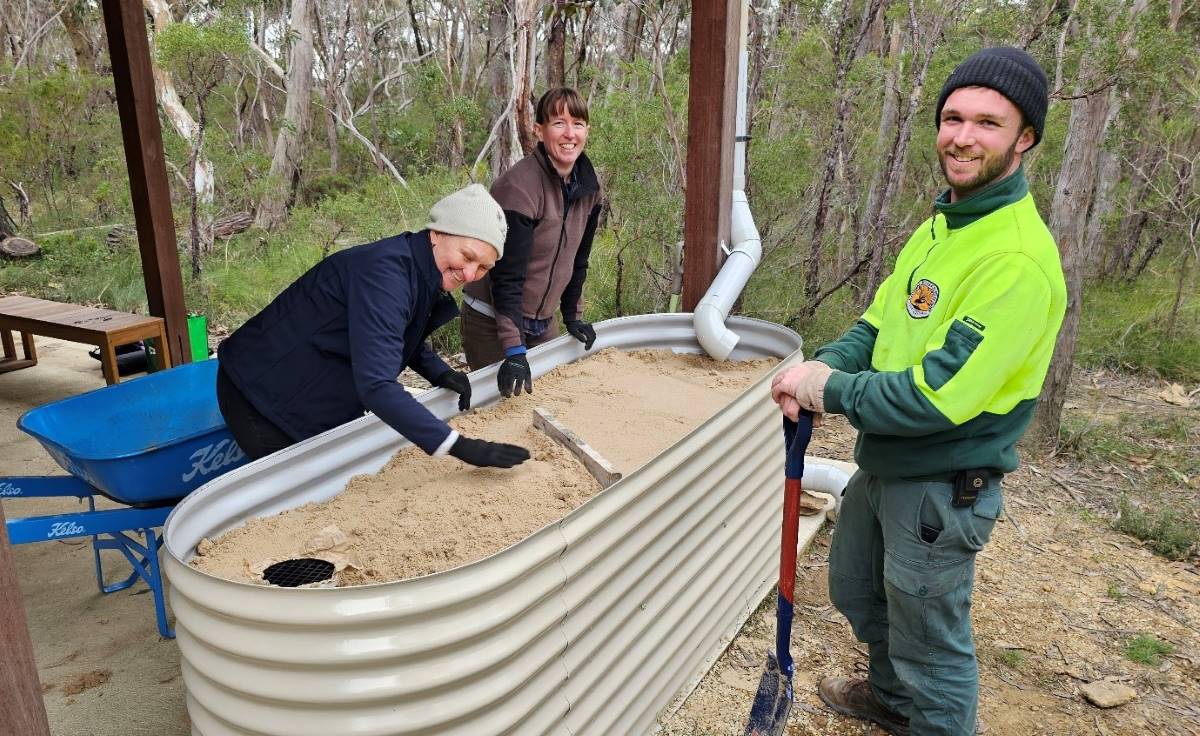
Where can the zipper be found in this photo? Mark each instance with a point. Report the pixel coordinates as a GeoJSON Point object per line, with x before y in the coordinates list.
{"type": "Point", "coordinates": [562, 236]}
{"type": "Point", "coordinates": [933, 238]}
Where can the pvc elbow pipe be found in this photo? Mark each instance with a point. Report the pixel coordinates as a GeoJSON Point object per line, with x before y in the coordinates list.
{"type": "Point", "coordinates": [709, 318]}
{"type": "Point", "coordinates": [825, 478]}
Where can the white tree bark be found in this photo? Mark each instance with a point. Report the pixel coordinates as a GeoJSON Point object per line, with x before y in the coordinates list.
{"type": "Point", "coordinates": [293, 128]}
{"type": "Point", "coordinates": [524, 59]}
{"type": "Point", "coordinates": [502, 140]}
{"type": "Point", "coordinates": [182, 121]}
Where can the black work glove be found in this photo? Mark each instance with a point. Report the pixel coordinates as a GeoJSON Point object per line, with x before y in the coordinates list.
{"type": "Point", "coordinates": [484, 454]}
{"type": "Point", "coordinates": [514, 372]}
{"type": "Point", "coordinates": [582, 331]}
{"type": "Point", "coordinates": [457, 382]}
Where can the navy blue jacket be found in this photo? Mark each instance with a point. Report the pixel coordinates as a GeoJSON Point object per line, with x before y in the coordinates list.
{"type": "Point", "coordinates": [332, 345]}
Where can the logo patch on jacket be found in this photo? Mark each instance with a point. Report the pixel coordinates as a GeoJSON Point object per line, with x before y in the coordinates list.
{"type": "Point", "coordinates": [923, 299]}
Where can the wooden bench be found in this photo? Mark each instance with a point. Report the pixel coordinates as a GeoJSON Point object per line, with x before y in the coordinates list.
{"type": "Point", "coordinates": [103, 328]}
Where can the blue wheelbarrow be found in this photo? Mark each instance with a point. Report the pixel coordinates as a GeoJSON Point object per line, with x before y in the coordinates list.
{"type": "Point", "coordinates": [145, 444]}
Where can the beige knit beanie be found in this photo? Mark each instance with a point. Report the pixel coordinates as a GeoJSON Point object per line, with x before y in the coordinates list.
{"type": "Point", "coordinates": [473, 213]}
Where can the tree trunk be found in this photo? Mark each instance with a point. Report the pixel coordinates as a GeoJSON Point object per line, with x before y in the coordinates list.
{"type": "Point", "coordinates": [582, 42]}
{"type": "Point", "coordinates": [1108, 170]}
{"type": "Point", "coordinates": [846, 40]}
{"type": "Point", "coordinates": [202, 182]}
{"type": "Point", "coordinates": [4, 42]}
{"type": "Point", "coordinates": [416, 28]}
{"type": "Point", "coordinates": [1108, 173]}
{"type": "Point", "coordinates": [1183, 272]}
{"type": "Point", "coordinates": [75, 19]}
{"type": "Point", "coordinates": [194, 215]}
{"type": "Point", "coordinates": [556, 46]}
{"type": "Point", "coordinates": [924, 42]}
{"type": "Point", "coordinates": [506, 150]}
{"type": "Point", "coordinates": [631, 38]}
{"type": "Point", "coordinates": [288, 159]}
{"type": "Point", "coordinates": [333, 57]}
{"type": "Point", "coordinates": [524, 58]}
{"type": "Point", "coordinates": [887, 127]}
{"type": "Point", "coordinates": [1072, 196]}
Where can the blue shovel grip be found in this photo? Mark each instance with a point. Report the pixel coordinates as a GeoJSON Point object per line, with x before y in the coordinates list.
{"type": "Point", "coordinates": [796, 436]}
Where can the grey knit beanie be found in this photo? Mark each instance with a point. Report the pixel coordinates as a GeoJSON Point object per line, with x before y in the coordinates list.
{"type": "Point", "coordinates": [473, 213]}
{"type": "Point", "coordinates": [1011, 72]}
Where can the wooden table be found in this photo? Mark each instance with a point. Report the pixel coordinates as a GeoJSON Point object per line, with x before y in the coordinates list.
{"type": "Point", "coordinates": [104, 328]}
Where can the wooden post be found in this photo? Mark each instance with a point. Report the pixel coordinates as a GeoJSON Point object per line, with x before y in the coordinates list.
{"type": "Point", "coordinates": [125, 24]}
{"type": "Point", "coordinates": [711, 106]}
{"type": "Point", "coordinates": [21, 708]}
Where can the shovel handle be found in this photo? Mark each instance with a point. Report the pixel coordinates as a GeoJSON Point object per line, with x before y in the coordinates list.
{"type": "Point", "coordinates": [796, 436]}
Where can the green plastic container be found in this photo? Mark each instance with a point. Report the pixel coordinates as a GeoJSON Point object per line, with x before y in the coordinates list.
{"type": "Point", "coordinates": [197, 336]}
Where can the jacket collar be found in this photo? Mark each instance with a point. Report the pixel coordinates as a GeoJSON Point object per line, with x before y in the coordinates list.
{"type": "Point", "coordinates": [442, 307]}
{"type": "Point", "coordinates": [998, 194]}
{"type": "Point", "coordinates": [583, 174]}
{"type": "Point", "coordinates": [422, 252]}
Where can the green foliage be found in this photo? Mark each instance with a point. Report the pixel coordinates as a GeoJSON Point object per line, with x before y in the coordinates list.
{"type": "Point", "coordinates": [1011, 658]}
{"type": "Point", "coordinates": [1123, 326]}
{"type": "Point", "coordinates": [200, 54]}
{"type": "Point", "coordinates": [60, 137]}
{"type": "Point", "coordinates": [1148, 650]}
{"type": "Point", "coordinates": [1115, 592]}
{"type": "Point", "coordinates": [631, 145]}
{"type": "Point", "coordinates": [1166, 531]}
{"type": "Point", "coordinates": [79, 267]}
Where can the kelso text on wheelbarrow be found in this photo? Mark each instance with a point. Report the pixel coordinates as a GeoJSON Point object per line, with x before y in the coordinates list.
{"type": "Point", "coordinates": [211, 457]}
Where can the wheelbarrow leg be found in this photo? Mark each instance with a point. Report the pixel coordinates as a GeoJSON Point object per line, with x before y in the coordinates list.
{"type": "Point", "coordinates": [144, 561]}
{"type": "Point", "coordinates": [155, 581]}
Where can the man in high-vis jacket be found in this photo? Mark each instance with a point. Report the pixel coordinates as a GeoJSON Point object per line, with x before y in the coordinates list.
{"type": "Point", "coordinates": [940, 377]}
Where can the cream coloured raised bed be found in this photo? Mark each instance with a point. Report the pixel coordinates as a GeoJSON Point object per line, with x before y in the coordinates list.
{"type": "Point", "coordinates": [595, 624]}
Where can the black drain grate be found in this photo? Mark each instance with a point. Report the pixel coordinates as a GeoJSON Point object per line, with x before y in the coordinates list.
{"type": "Point", "coordinates": [301, 571]}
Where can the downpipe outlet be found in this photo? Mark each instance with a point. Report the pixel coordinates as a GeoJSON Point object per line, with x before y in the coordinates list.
{"type": "Point", "coordinates": [710, 314]}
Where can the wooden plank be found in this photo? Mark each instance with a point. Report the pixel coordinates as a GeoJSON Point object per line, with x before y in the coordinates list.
{"type": "Point", "coordinates": [712, 102]}
{"type": "Point", "coordinates": [601, 469]}
{"type": "Point", "coordinates": [21, 708]}
{"type": "Point", "coordinates": [129, 52]}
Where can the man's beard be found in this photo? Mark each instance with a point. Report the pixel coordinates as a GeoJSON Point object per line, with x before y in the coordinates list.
{"type": "Point", "coordinates": [987, 174]}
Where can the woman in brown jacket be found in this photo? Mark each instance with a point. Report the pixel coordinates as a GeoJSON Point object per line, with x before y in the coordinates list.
{"type": "Point", "coordinates": [551, 199]}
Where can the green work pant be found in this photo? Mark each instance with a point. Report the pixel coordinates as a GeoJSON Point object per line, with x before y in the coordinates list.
{"type": "Point", "coordinates": [901, 569]}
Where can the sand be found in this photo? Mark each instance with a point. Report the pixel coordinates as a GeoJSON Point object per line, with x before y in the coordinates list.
{"type": "Point", "coordinates": [421, 515]}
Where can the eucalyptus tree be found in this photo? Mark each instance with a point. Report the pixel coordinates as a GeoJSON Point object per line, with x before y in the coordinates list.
{"type": "Point", "coordinates": [199, 56]}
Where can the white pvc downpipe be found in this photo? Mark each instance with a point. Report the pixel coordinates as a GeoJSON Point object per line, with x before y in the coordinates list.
{"type": "Point", "coordinates": [712, 311]}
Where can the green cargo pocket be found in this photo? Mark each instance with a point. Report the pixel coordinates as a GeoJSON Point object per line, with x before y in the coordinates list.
{"type": "Point", "coordinates": [925, 580]}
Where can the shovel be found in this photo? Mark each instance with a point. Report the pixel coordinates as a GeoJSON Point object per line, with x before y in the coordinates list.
{"type": "Point", "coordinates": [773, 701]}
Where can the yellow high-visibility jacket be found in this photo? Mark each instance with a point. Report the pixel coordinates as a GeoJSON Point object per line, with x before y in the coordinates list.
{"type": "Point", "coordinates": [942, 372]}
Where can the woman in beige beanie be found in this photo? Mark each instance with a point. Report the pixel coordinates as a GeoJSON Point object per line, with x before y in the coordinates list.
{"type": "Point", "coordinates": [331, 346]}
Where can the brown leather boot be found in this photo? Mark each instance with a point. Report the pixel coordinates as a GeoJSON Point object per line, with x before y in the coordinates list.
{"type": "Point", "coordinates": [855, 698]}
